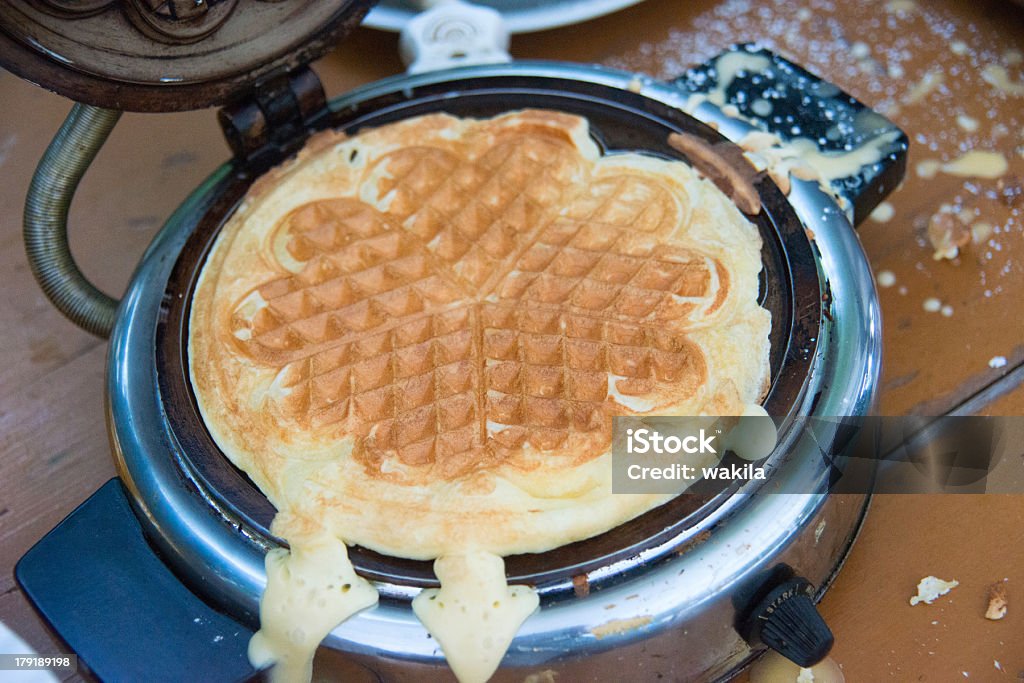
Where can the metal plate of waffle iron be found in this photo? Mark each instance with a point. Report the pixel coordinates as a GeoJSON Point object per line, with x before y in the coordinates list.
{"type": "Point", "coordinates": [210, 522]}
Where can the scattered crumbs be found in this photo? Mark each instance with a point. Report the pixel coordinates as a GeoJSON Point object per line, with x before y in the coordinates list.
{"type": "Point", "coordinates": [927, 168]}
{"type": "Point", "coordinates": [928, 84]}
{"type": "Point", "coordinates": [886, 278]}
{"type": "Point", "coordinates": [902, 290]}
{"type": "Point", "coordinates": [774, 668]}
{"type": "Point", "coordinates": [914, 48]}
{"type": "Point", "coordinates": [997, 665]}
{"type": "Point", "coordinates": [546, 676]}
{"type": "Point", "coordinates": [980, 232]}
{"type": "Point", "coordinates": [819, 530]}
{"type": "Point", "coordinates": [966, 675]}
{"type": "Point", "coordinates": [977, 164]}
{"type": "Point", "coordinates": [883, 213]}
{"type": "Point", "coordinates": [931, 587]}
{"type": "Point", "coordinates": [973, 164]}
{"type": "Point", "coordinates": [946, 311]}
{"type": "Point", "coordinates": [932, 305]}
{"type": "Point", "coordinates": [196, 620]}
{"type": "Point", "coordinates": [619, 626]}
{"type": "Point", "coordinates": [900, 6]}
{"type": "Point", "coordinates": [635, 85]}
{"type": "Point", "coordinates": [967, 123]}
{"type": "Point", "coordinates": [997, 76]}
{"type": "Point", "coordinates": [997, 601]}
{"type": "Point", "coordinates": [218, 638]}
{"type": "Point", "coordinates": [997, 362]}
{"type": "Point", "coordinates": [581, 585]}
{"type": "Point", "coordinates": [947, 233]}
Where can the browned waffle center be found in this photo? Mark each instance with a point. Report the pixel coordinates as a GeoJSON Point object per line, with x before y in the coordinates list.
{"type": "Point", "coordinates": [499, 308]}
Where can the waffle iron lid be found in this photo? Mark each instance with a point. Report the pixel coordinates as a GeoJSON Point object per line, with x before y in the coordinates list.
{"type": "Point", "coordinates": [166, 55]}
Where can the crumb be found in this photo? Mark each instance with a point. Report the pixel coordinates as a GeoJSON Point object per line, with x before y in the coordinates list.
{"type": "Point", "coordinates": [546, 676]}
{"type": "Point", "coordinates": [980, 232]}
{"type": "Point", "coordinates": [635, 85]}
{"type": "Point", "coordinates": [947, 234]}
{"type": "Point", "coordinates": [931, 587]}
{"type": "Point", "coordinates": [967, 123]}
{"type": "Point", "coordinates": [900, 6]}
{"type": "Point", "coordinates": [977, 164]}
{"type": "Point", "coordinates": [619, 626]}
{"type": "Point", "coordinates": [997, 76]}
{"type": "Point", "coordinates": [932, 305]}
{"type": "Point", "coordinates": [883, 213]}
{"type": "Point", "coordinates": [581, 585]}
{"type": "Point", "coordinates": [946, 311]}
{"type": "Point", "coordinates": [886, 278]}
{"type": "Point", "coordinates": [928, 168]}
{"type": "Point", "coordinates": [928, 84]}
{"type": "Point", "coordinates": [997, 362]}
{"type": "Point", "coordinates": [997, 601]}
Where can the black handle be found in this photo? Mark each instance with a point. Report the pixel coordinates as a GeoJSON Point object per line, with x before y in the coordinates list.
{"type": "Point", "coordinates": [98, 584]}
{"type": "Point", "coordinates": [778, 97]}
{"type": "Point", "coordinates": [786, 620]}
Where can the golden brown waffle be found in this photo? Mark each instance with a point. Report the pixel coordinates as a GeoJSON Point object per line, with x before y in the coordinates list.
{"type": "Point", "coordinates": [390, 327]}
{"type": "Point", "coordinates": [444, 300]}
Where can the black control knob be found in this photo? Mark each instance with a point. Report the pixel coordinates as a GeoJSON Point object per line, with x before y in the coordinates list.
{"type": "Point", "coordinates": [787, 621]}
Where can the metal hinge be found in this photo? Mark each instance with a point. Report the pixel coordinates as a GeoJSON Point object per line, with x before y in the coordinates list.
{"type": "Point", "coordinates": [275, 120]}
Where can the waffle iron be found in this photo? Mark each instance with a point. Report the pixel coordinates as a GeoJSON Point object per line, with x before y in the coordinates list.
{"type": "Point", "coordinates": [172, 550]}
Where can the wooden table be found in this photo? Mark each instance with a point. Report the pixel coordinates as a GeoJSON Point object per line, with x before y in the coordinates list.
{"type": "Point", "coordinates": [53, 444]}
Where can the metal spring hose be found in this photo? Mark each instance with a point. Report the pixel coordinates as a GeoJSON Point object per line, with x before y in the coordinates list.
{"type": "Point", "coordinates": [46, 219]}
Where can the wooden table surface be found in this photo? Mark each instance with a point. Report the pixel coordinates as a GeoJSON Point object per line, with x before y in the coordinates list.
{"type": "Point", "coordinates": [922, 63]}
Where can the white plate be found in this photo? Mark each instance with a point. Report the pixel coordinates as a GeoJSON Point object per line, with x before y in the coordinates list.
{"type": "Point", "coordinates": [521, 16]}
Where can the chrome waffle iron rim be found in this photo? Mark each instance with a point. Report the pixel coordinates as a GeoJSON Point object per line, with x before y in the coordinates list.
{"type": "Point", "coordinates": [205, 546]}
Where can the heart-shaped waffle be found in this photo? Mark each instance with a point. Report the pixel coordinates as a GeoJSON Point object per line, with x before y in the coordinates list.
{"type": "Point", "coordinates": [481, 301]}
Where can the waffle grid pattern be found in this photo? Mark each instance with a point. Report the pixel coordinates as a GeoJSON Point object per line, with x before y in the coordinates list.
{"type": "Point", "coordinates": [471, 319]}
